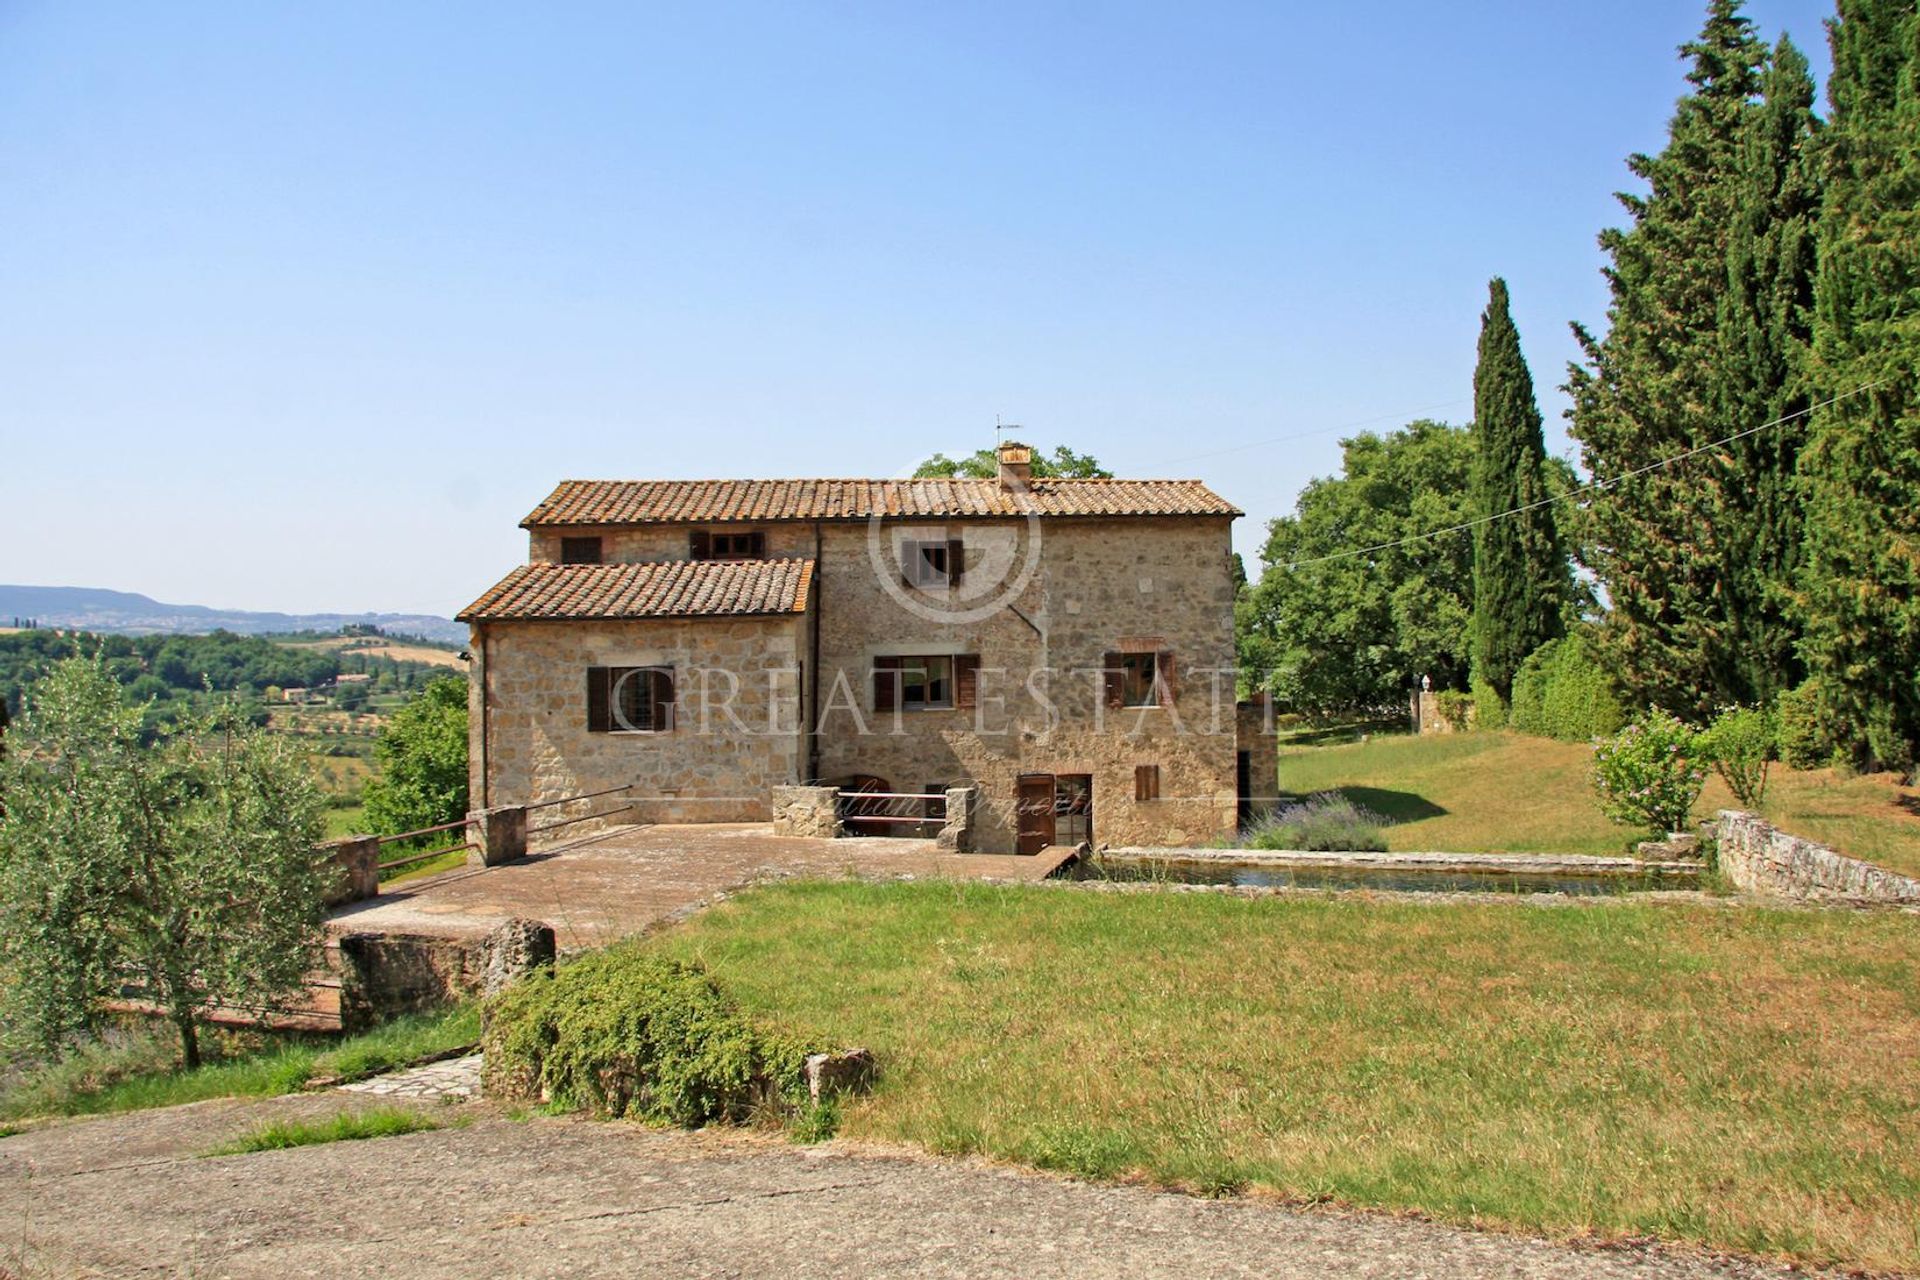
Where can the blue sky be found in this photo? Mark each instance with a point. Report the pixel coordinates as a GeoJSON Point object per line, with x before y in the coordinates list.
{"type": "Point", "coordinates": [309, 305]}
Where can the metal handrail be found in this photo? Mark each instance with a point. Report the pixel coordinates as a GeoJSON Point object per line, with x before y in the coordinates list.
{"type": "Point", "coordinates": [894, 795]}
{"type": "Point", "coordinates": [547, 804]}
{"type": "Point", "coordinates": [585, 817]}
{"type": "Point", "coordinates": [424, 831]}
{"type": "Point", "coordinates": [430, 853]}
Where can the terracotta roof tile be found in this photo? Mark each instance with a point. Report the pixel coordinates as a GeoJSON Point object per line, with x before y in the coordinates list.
{"type": "Point", "coordinates": [671, 589]}
{"type": "Point", "coordinates": [588, 502]}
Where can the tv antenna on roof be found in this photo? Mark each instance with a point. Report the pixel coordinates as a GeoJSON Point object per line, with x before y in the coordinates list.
{"type": "Point", "coordinates": [1000, 430]}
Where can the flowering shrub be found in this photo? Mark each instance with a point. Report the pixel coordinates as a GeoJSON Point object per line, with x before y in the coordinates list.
{"type": "Point", "coordinates": [1649, 774]}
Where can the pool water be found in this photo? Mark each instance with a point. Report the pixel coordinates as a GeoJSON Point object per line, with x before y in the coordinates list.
{"type": "Point", "coordinates": [1397, 879]}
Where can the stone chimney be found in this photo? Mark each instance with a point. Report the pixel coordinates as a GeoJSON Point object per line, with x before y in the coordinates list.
{"type": "Point", "coordinates": [1016, 465]}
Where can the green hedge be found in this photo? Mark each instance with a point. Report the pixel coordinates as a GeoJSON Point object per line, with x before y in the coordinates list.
{"type": "Point", "coordinates": [625, 1032]}
{"type": "Point", "coordinates": [1804, 739]}
{"type": "Point", "coordinates": [1561, 691]}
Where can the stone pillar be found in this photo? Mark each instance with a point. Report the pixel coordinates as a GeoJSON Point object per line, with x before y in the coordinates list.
{"type": "Point", "coordinates": [500, 834]}
{"type": "Point", "coordinates": [357, 860]}
{"type": "Point", "coordinates": [513, 950]}
{"type": "Point", "coordinates": [806, 811]}
{"type": "Point", "coordinates": [957, 832]}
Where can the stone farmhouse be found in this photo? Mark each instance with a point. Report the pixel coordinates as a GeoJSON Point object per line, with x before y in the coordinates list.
{"type": "Point", "coordinates": [1062, 647]}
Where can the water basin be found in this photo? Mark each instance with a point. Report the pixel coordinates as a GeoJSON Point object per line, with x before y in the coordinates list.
{"type": "Point", "coordinates": [1396, 879]}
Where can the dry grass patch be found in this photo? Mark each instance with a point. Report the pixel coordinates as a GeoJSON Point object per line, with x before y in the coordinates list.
{"type": "Point", "coordinates": [1509, 793]}
{"type": "Point", "coordinates": [1747, 1079]}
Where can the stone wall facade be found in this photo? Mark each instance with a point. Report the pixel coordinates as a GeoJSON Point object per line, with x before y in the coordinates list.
{"type": "Point", "coordinates": [736, 735]}
{"type": "Point", "coordinates": [1097, 587]}
{"type": "Point", "coordinates": [1089, 587]}
{"type": "Point", "coordinates": [1760, 858]}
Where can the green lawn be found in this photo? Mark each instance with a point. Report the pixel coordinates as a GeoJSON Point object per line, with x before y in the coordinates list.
{"type": "Point", "coordinates": [138, 1066]}
{"type": "Point", "coordinates": [1507, 793]}
{"type": "Point", "coordinates": [1745, 1078]}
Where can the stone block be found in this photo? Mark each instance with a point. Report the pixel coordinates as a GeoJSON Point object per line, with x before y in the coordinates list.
{"type": "Point", "coordinates": [356, 860]}
{"type": "Point", "coordinates": [806, 811]}
{"type": "Point", "coordinates": [500, 833]}
{"type": "Point", "coordinates": [956, 833]}
{"type": "Point", "coordinates": [848, 1071]}
{"type": "Point", "coordinates": [513, 950]}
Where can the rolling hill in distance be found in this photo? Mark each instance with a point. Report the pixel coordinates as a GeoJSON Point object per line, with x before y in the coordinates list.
{"type": "Point", "coordinates": [126, 612]}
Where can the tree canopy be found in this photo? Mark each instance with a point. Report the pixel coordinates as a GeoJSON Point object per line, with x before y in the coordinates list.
{"type": "Point", "coordinates": [984, 464]}
{"type": "Point", "coordinates": [423, 762]}
{"type": "Point", "coordinates": [185, 869]}
{"type": "Point", "coordinates": [1355, 633]}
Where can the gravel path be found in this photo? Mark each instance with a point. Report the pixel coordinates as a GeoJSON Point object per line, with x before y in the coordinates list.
{"type": "Point", "coordinates": [487, 1195]}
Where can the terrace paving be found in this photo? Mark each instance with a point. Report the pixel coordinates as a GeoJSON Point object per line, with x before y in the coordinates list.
{"type": "Point", "coordinates": [603, 887]}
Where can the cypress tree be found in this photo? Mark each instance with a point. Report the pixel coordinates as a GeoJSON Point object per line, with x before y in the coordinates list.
{"type": "Point", "coordinates": [1650, 390]}
{"type": "Point", "coordinates": [1861, 467]}
{"type": "Point", "coordinates": [1764, 327]}
{"type": "Point", "coordinates": [1520, 579]}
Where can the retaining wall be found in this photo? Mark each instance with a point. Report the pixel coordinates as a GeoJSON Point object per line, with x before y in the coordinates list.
{"type": "Point", "coordinates": [1758, 857]}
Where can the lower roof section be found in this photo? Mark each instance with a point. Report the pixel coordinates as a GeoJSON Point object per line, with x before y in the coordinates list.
{"type": "Point", "coordinates": [666, 589]}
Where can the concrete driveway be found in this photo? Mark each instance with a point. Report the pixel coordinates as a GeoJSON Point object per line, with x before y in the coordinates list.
{"type": "Point", "coordinates": [492, 1196]}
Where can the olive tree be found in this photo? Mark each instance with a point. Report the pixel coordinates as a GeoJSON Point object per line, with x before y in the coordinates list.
{"type": "Point", "coordinates": [182, 871]}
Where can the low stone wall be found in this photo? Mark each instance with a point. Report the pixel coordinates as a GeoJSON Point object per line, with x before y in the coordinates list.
{"type": "Point", "coordinates": [1758, 857]}
{"type": "Point", "coordinates": [806, 811]}
{"type": "Point", "coordinates": [384, 975]}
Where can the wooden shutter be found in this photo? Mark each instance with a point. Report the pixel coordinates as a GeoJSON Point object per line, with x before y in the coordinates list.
{"type": "Point", "coordinates": [662, 678]}
{"type": "Point", "coordinates": [1146, 782]}
{"type": "Point", "coordinates": [956, 559]}
{"type": "Point", "coordinates": [1115, 679]}
{"type": "Point", "coordinates": [599, 719]}
{"type": "Point", "coordinates": [966, 680]}
{"type": "Point", "coordinates": [757, 545]}
{"type": "Point", "coordinates": [886, 683]}
{"type": "Point", "coordinates": [699, 545]}
{"type": "Point", "coordinates": [1169, 688]}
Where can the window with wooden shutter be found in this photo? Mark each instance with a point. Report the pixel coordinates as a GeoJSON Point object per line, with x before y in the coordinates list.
{"type": "Point", "coordinates": [699, 545]}
{"type": "Point", "coordinates": [886, 683]}
{"type": "Point", "coordinates": [1146, 782]}
{"type": "Point", "coordinates": [629, 699]}
{"type": "Point", "coordinates": [930, 564]}
{"type": "Point", "coordinates": [956, 560]}
{"type": "Point", "coordinates": [1137, 676]}
{"type": "Point", "coordinates": [1111, 677]}
{"type": "Point", "coordinates": [966, 681]}
{"type": "Point", "coordinates": [598, 718]}
{"type": "Point", "coordinates": [580, 551]}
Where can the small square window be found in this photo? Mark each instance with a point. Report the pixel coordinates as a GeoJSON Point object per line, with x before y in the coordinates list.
{"type": "Point", "coordinates": [739, 546]}
{"type": "Point", "coordinates": [932, 564]}
{"type": "Point", "coordinates": [579, 551]}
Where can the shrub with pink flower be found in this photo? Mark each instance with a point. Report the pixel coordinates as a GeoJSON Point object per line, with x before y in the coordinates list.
{"type": "Point", "coordinates": [1649, 774]}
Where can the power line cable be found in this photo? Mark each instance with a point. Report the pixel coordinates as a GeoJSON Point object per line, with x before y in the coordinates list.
{"type": "Point", "coordinates": [1404, 416]}
{"type": "Point", "coordinates": [1594, 487]}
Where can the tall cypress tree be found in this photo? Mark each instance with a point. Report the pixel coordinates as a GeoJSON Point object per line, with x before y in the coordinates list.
{"type": "Point", "coordinates": [1650, 390]}
{"type": "Point", "coordinates": [1763, 328]}
{"type": "Point", "coordinates": [1861, 467]}
{"type": "Point", "coordinates": [1520, 578]}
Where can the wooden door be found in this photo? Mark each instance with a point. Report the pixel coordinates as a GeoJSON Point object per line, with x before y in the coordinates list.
{"type": "Point", "coordinates": [1033, 806]}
